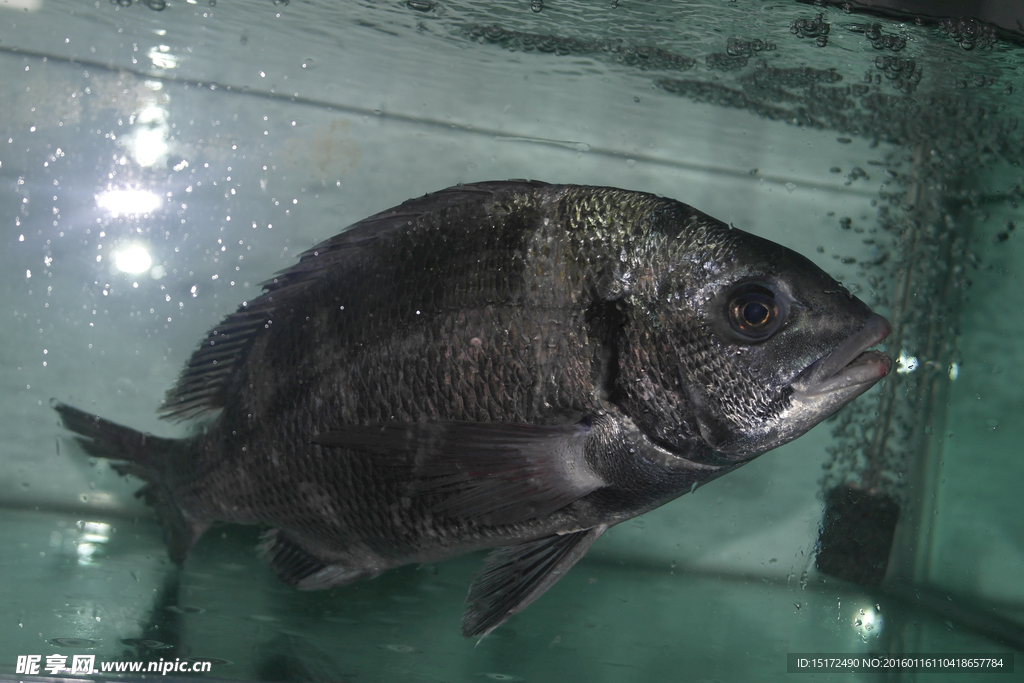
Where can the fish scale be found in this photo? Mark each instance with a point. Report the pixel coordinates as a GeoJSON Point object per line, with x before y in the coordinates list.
{"type": "Point", "coordinates": [506, 365]}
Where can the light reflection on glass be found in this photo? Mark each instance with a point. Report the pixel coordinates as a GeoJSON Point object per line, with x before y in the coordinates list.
{"type": "Point", "coordinates": [161, 58]}
{"type": "Point", "coordinates": [132, 258]}
{"type": "Point", "coordinates": [92, 536]}
{"type": "Point", "coordinates": [149, 143]}
{"type": "Point", "coordinates": [867, 621]}
{"type": "Point", "coordinates": [906, 363]}
{"type": "Point", "coordinates": [149, 146]}
{"type": "Point", "coordinates": [23, 5]}
{"type": "Point", "coordinates": [127, 202]}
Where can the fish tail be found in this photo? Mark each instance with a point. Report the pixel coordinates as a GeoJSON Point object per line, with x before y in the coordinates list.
{"type": "Point", "coordinates": [144, 456]}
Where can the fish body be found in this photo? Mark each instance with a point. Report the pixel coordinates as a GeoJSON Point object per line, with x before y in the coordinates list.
{"type": "Point", "coordinates": [509, 365]}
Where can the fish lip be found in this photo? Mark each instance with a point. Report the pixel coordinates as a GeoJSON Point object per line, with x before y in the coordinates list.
{"type": "Point", "coordinates": [851, 365]}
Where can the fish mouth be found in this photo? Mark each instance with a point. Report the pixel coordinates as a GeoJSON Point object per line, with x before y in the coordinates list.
{"type": "Point", "coordinates": [852, 367]}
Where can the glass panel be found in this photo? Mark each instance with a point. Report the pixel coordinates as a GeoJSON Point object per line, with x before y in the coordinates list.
{"type": "Point", "coordinates": [160, 160]}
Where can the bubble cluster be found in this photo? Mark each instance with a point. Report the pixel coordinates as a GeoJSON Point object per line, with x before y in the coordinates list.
{"type": "Point", "coordinates": [638, 56]}
{"type": "Point", "coordinates": [738, 52]}
{"type": "Point", "coordinates": [879, 40]}
{"type": "Point", "coordinates": [902, 74]}
{"type": "Point", "coordinates": [969, 34]}
{"type": "Point", "coordinates": [817, 28]}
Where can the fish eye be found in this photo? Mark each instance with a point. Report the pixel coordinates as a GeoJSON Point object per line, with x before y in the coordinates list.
{"type": "Point", "coordinates": [755, 312]}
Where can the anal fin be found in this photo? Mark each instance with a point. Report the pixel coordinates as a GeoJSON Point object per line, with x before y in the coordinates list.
{"type": "Point", "coordinates": [298, 567]}
{"type": "Point", "coordinates": [515, 576]}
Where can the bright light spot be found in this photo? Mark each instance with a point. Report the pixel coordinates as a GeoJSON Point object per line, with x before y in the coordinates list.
{"type": "Point", "coordinates": [93, 535]}
{"type": "Point", "coordinates": [867, 621]}
{"type": "Point", "coordinates": [161, 59]}
{"type": "Point", "coordinates": [94, 532]}
{"type": "Point", "coordinates": [954, 370]}
{"type": "Point", "coordinates": [24, 5]}
{"type": "Point", "coordinates": [132, 258]}
{"type": "Point", "coordinates": [150, 146]}
{"type": "Point", "coordinates": [906, 363]}
{"type": "Point", "coordinates": [120, 202]}
{"type": "Point", "coordinates": [156, 115]}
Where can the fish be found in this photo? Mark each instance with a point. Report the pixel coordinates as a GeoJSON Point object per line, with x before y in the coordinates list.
{"type": "Point", "coordinates": [510, 366]}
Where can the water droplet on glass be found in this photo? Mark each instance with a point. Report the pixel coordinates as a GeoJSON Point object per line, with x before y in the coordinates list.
{"type": "Point", "coordinates": [537, 5]}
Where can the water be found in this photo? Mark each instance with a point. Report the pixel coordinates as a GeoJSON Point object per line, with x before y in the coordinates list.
{"type": "Point", "coordinates": [158, 161]}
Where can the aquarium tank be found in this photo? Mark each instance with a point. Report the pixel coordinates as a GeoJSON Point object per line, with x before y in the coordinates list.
{"type": "Point", "coordinates": [160, 159]}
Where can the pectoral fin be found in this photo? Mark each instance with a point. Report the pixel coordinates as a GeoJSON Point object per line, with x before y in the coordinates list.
{"type": "Point", "coordinates": [515, 576]}
{"type": "Point", "coordinates": [496, 473]}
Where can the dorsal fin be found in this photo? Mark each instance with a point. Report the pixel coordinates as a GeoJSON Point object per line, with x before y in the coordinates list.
{"type": "Point", "coordinates": [202, 387]}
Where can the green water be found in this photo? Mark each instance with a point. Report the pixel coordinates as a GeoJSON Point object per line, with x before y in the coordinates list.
{"type": "Point", "coordinates": [884, 150]}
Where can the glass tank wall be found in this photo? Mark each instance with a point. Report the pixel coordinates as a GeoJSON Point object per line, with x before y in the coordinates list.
{"type": "Point", "coordinates": [160, 159]}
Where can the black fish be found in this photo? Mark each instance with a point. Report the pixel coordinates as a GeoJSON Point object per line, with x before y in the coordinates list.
{"type": "Point", "coordinates": [509, 365]}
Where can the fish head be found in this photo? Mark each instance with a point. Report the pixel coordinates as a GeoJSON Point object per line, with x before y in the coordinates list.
{"type": "Point", "coordinates": [762, 344]}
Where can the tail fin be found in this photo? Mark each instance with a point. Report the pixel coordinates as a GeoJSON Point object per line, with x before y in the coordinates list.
{"type": "Point", "coordinates": [144, 456]}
